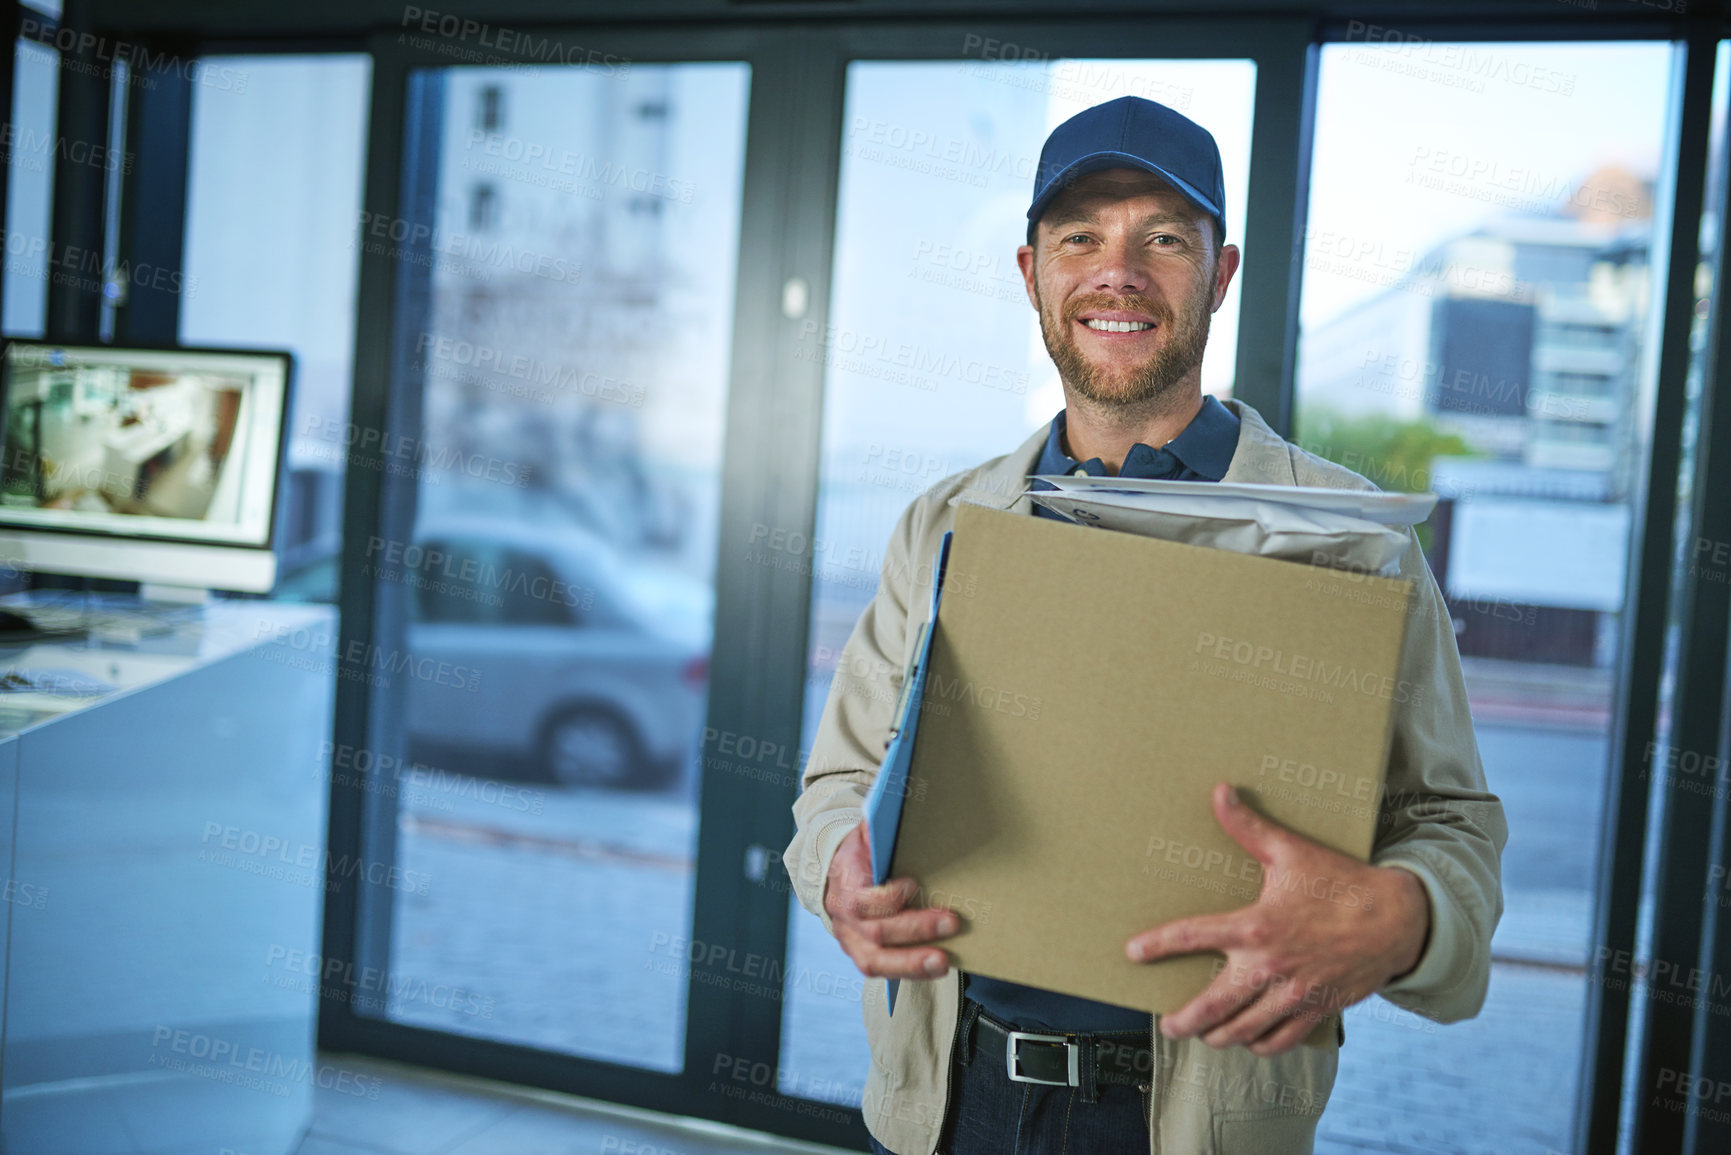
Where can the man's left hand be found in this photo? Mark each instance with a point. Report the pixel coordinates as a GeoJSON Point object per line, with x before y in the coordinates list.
{"type": "Point", "coordinates": [1326, 932]}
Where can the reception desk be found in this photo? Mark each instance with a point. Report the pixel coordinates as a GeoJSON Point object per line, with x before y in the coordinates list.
{"type": "Point", "coordinates": [162, 822]}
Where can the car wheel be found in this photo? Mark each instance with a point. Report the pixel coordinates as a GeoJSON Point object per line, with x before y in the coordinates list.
{"type": "Point", "coordinates": [592, 747]}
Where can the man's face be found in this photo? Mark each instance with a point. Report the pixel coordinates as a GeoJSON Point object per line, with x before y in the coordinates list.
{"type": "Point", "coordinates": [1125, 280]}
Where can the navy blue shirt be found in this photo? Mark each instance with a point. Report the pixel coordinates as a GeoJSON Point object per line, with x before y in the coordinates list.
{"type": "Point", "coordinates": [1200, 453]}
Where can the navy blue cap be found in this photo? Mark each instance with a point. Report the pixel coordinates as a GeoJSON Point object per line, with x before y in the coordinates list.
{"type": "Point", "coordinates": [1131, 132]}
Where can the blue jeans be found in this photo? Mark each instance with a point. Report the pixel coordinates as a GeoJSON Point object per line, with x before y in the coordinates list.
{"type": "Point", "coordinates": [991, 1115]}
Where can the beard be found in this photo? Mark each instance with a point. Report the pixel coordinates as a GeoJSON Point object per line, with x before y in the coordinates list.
{"type": "Point", "coordinates": [1186, 336]}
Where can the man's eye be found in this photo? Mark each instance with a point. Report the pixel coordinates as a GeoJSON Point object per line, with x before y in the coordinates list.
{"type": "Point", "coordinates": [1076, 237]}
{"type": "Point", "coordinates": [1165, 239]}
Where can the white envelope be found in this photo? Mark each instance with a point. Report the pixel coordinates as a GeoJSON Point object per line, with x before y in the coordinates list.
{"type": "Point", "coordinates": [1219, 516]}
{"type": "Point", "coordinates": [1383, 508]}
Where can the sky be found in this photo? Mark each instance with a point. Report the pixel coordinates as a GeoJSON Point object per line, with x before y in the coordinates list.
{"type": "Point", "coordinates": [1547, 116]}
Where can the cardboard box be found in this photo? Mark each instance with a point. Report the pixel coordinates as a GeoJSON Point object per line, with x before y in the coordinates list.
{"type": "Point", "coordinates": [1085, 690]}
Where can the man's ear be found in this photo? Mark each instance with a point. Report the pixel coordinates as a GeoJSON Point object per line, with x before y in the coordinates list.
{"type": "Point", "coordinates": [1025, 262]}
{"type": "Point", "coordinates": [1224, 267]}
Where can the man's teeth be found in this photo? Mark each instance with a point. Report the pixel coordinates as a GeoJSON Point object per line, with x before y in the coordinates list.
{"type": "Point", "coordinates": [1118, 326]}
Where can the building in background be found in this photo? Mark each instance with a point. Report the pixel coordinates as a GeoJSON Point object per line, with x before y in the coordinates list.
{"type": "Point", "coordinates": [555, 303]}
{"type": "Point", "coordinates": [1522, 340]}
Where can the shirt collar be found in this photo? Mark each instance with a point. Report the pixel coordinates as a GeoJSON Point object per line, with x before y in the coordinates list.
{"type": "Point", "coordinates": [1205, 447]}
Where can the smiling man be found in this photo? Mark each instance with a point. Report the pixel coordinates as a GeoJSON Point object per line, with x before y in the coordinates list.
{"type": "Point", "coordinates": [1126, 262]}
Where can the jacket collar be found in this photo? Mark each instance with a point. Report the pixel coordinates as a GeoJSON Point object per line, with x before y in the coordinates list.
{"type": "Point", "coordinates": [1262, 456]}
{"type": "Point", "coordinates": [1204, 448]}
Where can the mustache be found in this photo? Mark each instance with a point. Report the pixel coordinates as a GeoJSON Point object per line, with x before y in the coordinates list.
{"type": "Point", "coordinates": [1134, 302]}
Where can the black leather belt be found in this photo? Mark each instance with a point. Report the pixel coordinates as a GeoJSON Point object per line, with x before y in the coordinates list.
{"type": "Point", "coordinates": [1059, 1060]}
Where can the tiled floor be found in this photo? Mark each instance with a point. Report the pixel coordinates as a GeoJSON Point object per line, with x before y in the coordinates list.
{"type": "Point", "coordinates": [386, 1108]}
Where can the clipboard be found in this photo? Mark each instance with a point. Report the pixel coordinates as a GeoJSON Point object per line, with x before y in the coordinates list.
{"type": "Point", "coordinates": [883, 802]}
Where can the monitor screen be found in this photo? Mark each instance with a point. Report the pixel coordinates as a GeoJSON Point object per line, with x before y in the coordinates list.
{"type": "Point", "coordinates": [177, 446]}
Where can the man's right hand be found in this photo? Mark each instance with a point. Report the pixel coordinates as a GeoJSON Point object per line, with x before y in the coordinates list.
{"type": "Point", "coordinates": [874, 924]}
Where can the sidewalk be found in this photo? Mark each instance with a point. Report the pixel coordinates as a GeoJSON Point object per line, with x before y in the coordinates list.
{"type": "Point", "coordinates": [1534, 694]}
{"type": "Point", "coordinates": [1503, 1083]}
{"type": "Point", "coordinates": [567, 945]}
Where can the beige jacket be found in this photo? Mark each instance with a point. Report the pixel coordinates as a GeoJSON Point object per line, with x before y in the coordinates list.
{"type": "Point", "coordinates": [1438, 820]}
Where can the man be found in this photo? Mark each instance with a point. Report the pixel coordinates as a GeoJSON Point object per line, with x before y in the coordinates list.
{"type": "Point", "coordinates": [1125, 263]}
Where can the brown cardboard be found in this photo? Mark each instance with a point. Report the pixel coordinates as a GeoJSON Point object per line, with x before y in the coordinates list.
{"type": "Point", "coordinates": [1087, 689]}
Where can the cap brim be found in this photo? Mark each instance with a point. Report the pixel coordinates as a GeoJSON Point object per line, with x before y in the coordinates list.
{"type": "Point", "coordinates": [1099, 161]}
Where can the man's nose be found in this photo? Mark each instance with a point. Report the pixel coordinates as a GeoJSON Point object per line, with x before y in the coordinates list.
{"type": "Point", "coordinates": [1121, 269]}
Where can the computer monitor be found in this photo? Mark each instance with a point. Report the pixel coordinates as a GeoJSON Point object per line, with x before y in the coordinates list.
{"type": "Point", "coordinates": [151, 465]}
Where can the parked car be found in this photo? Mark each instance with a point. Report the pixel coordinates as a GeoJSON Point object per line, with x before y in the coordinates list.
{"type": "Point", "coordinates": [576, 664]}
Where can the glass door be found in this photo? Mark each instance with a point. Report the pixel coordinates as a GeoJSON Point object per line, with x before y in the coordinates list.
{"type": "Point", "coordinates": [567, 697]}
{"type": "Point", "coordinates": [545, 492]}
{"type": "Point", "coordinates": [933, 362]}
{"type": "Point", "coordinates": [558, 578]}
{"type": "Point", "coordinates": [1478, 321]}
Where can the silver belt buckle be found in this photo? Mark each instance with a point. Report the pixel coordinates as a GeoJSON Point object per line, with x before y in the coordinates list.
{"type": "Point", "coordinates": [1073, 1050]}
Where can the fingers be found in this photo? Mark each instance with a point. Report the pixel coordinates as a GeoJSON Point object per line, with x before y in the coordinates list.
{"type": "Point", "coordinates": [1256, 1019]}
{"type": "Point", "coordinates": [1221, 1001]}
{"type": "Point", "coordinates": [1276, 1022]}
{"type": "Point", "coordinates": [903, 963]}
{"type": "Point", "coordinates": [1284, 1037]}
{"type": "Point", "coordinates": [855, 898]}
{"type": "Point", "coordinates": [876, 926]}
{"type": "Point", "coordinates": [849, 892]}
{"type": "Point", "coordinates": [914, 927]}
{"type": "Point", "coordinates": [1200, 932]}
{"type": "Point", "coordinates": [869, 902]}
{"type": "Point", "coordinates": [888, 947]}
{"type": "Point", "coordinates": [1259, 836]}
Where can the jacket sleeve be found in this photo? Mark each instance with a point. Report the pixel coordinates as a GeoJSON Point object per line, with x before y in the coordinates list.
{"type": "Point", "coordinates": [855, 725]}
{"type": "Point", "coordinates": [1438, 819]}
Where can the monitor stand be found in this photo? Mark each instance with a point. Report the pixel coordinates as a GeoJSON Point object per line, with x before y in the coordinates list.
{"type": "Point", "coordinates": [150, 592]}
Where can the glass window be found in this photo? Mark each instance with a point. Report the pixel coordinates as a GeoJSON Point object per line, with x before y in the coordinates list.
{"type": "Point", "coordinates": [273, 194]}
{"type": "Point", "coordinates": [483, 204]}
{"type": "Point", "coordinates": [30, 188]}
{"type": "Point", "coordinates": [490, 109]}
{"type": "Point", "coordinates": [934, 363]}
{"type": "Point", "coordinates": [574, 353]}
{"type": "Point", "coordinates": [1477, 316]}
